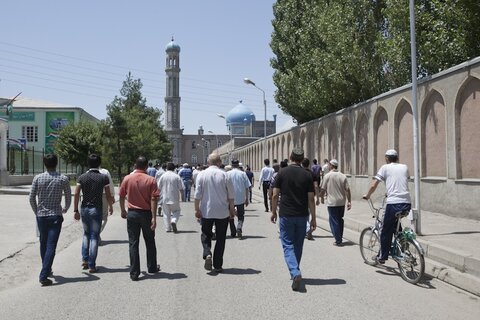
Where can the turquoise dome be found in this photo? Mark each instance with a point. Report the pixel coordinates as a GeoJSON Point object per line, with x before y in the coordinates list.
{"type": "Point", "coordinates": [241, 114]}
{"type": "Point", "coordinates": [172, 46]}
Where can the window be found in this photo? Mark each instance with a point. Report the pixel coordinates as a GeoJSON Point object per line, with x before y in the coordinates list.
{"type": "Point", "coordinates": [30, 133]}
{"type": "Point", "coordinates": [219, 144]}
{"type": "Point", "coordinates": [194, 159]}
{"type": "Point", "coordinates": [194, 145]}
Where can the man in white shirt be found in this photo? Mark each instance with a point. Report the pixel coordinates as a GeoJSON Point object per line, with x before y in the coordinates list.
{"type": "Point", "coordinates": [395, 175]}
{"type": "Point", "coordinates": [170, 186]}
{"type": "Point", "coordinates": [104, 198]}
{"type": "Point", "coordinates": [160, 171]}
{"type": "Point", "coordinates": [264, 181]}
{"type": "Point", "coordinates": [214, 205]}
{"type": "Point", "coordinates": [241, 186]}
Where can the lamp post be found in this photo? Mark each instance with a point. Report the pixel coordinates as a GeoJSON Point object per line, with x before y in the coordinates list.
{"type": "Point", "coordinates": [248, 81]}
{"type": "Point", "coordinates": [216, 137]}
{"type": "Point", "coordinates": [416, 156]}
{"type": "Point", "coordinates": [231, 138]}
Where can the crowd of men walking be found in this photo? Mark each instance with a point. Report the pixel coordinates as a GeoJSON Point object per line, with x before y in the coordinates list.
{"type": "Point", "coordinates": [291, 192]}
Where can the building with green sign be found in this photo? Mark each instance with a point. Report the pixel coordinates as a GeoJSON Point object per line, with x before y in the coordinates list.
{"type": "Point", "coordinates": [34, 124]}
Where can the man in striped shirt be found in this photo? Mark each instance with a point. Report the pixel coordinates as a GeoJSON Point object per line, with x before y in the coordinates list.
{"type": "Point", "coordinates": [48, 187]}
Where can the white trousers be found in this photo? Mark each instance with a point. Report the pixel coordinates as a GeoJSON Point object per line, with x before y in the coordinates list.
{"type": "Point", "coordinates": [171, 214]}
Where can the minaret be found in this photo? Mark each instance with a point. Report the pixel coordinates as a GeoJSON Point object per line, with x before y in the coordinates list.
{"type": "Point", "coordinates": [172, 100]}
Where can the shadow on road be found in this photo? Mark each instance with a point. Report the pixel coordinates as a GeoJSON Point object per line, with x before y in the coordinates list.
{"type": "Point", "coordinates": [425, 282]}
{"type": "Point", "coordinates": [252, 237]}
{"type": "Point", "coordinates": [238, 271]}
{"type": "Point", "coordinates": [107, 242]}
{"type": "Point", "coordinates": [163, 275]}
{"type": "Point", "coordinates": [187, 231]}
{"type": "Point", "coordinates": [323, 282]}
{"type": "Point", "coordinates": [59, 280]}
{"type": "Point", "coordinates": [116, 270]}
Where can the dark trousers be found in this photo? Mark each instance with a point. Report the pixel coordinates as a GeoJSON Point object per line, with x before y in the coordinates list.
{"type": "Point", "coordinates": [336, 222]}
{"type": "Point", "coordinates": [241, 217]}
{"type": "Point", "coordinates": [389, 225]}
{"type": "Point", "coordinates": [265, 186]}
{"type": "Point", "coordinates": [49, 229]}
{"type": "Point", "coordinates": [140, 220]}
{"type": "Point", "coordinates": [221, 226]}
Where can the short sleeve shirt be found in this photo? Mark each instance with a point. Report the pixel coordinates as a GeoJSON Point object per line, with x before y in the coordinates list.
{"type": "Point", "coordinates": [336, 185]}
{"type": "Point", "coordinates": [139, 188]}
{"type": "Point", "coordinates": [395, 175]}
{"type": "Point", "coordinates": [92, 183]}
{"type": "Point", "coordinates": [294, 183]}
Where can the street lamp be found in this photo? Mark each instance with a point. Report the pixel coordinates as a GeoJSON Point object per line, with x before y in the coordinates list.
{"type": "Point", "coordinates": [216, 137]}
{"type": "Point", "coordinates": [231, 138]}
{"type": "Point", "coordinates": [248, 81]}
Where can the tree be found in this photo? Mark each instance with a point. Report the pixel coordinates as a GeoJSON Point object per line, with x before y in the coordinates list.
{"type": "Point", "coordinates": [132, 129]}
{"type": "Point", "coordinates": [77, 140]}
{"type": "Point", "coordinates": [330, 54]}
{"type": "Point", "coordinates": [324, 58]}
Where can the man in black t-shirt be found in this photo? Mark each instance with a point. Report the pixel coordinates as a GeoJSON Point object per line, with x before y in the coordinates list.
{"type": "Point", "coordinates": [296, 186]}
{"type": "Point", "coordinates": [92, 184]}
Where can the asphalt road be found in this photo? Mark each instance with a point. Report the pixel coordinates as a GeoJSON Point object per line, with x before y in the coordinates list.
{"type": "Point", "coordinates": [254, 285]}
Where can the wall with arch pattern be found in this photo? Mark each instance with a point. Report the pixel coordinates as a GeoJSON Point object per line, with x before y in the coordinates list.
{"type": "Point", "coordinates": [357, 136]}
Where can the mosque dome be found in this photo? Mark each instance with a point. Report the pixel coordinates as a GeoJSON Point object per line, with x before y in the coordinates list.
{"type": "Point", "coordinates": [241, 114]}
{"type": "Point", "coordinates": [172, 46]}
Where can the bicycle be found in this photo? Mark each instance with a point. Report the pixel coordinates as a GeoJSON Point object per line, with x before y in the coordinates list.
{"type": "Point", "coordinates": [405, 250]}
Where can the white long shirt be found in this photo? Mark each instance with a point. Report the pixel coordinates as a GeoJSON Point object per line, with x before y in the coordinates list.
{"type": "Point", "coordinates": [170, 185]}
{"type": "Point", "coordinates": [214, 190]}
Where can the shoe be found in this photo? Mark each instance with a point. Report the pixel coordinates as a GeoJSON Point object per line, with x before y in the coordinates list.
{"type": "Point", "coordinates": [134, 277]}
{"type": "Point", "coordinates": [297, 280]}
{"type": "Point", "coordinates": [156, 270]}
{"type": "Point", "coordinates": [168, 230]}
{"type": "Point", "coordinates": [218, 270]}
{"type": "Point", "coordinates": [93, 270]}
{"type": "Point", "coordinates": [266, 210]}
{"type": "Point", "coordinates": [309, 235]}
{"type": "Point", "coordinates": [338, 244]}
{"type": "Point", "coordinates": [378, 260]}
{"type": "Point", "coordinates": [84, 265]}
{"type": "Point", "coordinates": [208, 263]}
{"type": "Point", "coordinates": [239, 233]}
{"type": "Point", "coordinates": [233, 235]}
{"type": "Point", "coordinates": [46, 282]}
{"type": "Point", "coordinates": [174, 227]}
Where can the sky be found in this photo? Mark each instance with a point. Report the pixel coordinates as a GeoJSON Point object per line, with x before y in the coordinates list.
{"type": "Point", "coordinates": [79, 53]}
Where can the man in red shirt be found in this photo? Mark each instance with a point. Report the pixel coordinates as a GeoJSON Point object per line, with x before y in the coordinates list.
{"type": "Point", "coordinates": [142, 192]}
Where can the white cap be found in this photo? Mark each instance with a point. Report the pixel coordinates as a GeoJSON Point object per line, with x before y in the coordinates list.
{"type": "Point", "coordinates": [334, 162]}
{"type": "Point", "coordinates": [391, 152]}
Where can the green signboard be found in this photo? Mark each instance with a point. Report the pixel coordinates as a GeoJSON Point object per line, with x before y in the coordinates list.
{"type": "Point", "coordinates": [54, 122]}
{"type": "Point", "coordinates": [19, 116]}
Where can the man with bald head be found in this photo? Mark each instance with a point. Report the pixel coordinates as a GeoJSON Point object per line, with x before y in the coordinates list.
{"type": "Point", "coordinates": [214, 205]}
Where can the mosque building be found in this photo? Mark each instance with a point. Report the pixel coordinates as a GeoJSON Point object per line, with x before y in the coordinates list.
{"type": "Point", "coordinates": [194, 148]}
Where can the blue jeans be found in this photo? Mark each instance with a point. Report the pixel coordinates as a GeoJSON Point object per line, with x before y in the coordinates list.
{"type": "Point", "coordinates": [49, 229]}
{"type": "Point", "coordinates": [388, 227]}
{"type": "Point", "coordinates": [187, 186]}
{"type": "Point", "coordinates": [336, 222]}
{"type": "Point", "coordinates": [292, 236]}
{"type": "Point", "coordinates": [92, 222]}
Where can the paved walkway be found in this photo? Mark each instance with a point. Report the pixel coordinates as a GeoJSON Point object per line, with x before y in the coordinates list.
{"type": "Point", "coordinates": [450, 244]}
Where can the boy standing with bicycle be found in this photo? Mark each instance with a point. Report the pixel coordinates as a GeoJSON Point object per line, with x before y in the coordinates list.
{"type": "Point", "coordinates": [395, 175]}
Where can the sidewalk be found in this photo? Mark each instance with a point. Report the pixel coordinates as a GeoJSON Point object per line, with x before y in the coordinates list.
{"type": "Point", "coordinates": [452, 253]}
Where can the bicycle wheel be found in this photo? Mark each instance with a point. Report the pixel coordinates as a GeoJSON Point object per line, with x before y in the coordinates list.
{"type": "Point", "coordinates": [411, 261]}
{"type": "Point", "coordinates": [369, 245]}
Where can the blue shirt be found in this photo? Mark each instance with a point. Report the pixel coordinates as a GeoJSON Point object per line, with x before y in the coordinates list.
{"type": "Point", "coordinates": [186, 174]}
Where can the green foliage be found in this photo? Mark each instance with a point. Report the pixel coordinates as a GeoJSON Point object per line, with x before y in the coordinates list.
{"type": "Point", "coordinates": [330, 54]}
{"type": "Point", "coordinates": [132, 129]}
{"type": "Point", "coordinates": [77, 140]}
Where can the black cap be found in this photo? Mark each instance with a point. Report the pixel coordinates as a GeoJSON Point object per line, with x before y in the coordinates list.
{"type": "Point", "coordinates": [235, 162]}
